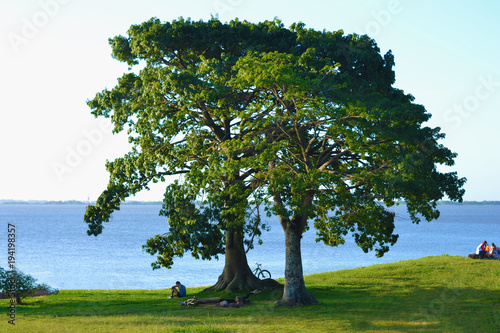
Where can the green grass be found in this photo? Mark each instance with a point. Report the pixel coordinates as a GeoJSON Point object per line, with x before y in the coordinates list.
{"type": "Point", "coordinates": [432, 294]}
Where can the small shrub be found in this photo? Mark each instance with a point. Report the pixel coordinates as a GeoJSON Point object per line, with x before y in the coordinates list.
{"type": "Point", "coordinates": [22, 285]}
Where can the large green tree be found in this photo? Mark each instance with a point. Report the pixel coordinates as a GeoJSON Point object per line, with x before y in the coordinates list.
{"type": "Point", "coordinates": [180, 111]}
{"type": "Point", "coordinates": [308, 120]}
{"type": "Point", "coordinates": [355, 146]}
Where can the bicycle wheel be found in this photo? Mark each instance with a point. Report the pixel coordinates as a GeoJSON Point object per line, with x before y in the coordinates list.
{"type": "Point", "coordinates": [264, 274]}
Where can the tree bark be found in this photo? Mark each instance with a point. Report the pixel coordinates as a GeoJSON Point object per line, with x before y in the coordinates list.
{"type": "Point", "coordinates": [295, 292]}
{"type": "Point", "coordinates": [18, 298]}
{"type": "Point", "coordinates": [237, 275]}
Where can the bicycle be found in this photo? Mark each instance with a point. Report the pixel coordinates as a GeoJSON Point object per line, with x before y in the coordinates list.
{"type": "Point", "coordinates": [261, 273]}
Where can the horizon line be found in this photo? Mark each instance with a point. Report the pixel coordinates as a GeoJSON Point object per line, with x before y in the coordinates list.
{"type": "Point", "coordinates": [143, 202]}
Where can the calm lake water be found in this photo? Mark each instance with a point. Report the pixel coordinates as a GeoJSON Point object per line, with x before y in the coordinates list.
{"type": "Point", "coordinates": [52, 245]}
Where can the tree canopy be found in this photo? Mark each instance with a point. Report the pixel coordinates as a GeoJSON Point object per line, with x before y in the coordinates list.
{"type": "Point", "coordinates": [355, 145]}
{"type": "Point", "coordinates": [179, 111]}
{"type": "Point", "coordinates": [306, 122]}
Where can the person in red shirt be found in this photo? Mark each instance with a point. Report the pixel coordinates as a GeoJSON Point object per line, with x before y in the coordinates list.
{"type": "Point", "coordinates": [481, 249]}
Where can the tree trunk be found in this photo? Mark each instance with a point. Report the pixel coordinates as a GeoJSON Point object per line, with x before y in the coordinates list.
{"type": "Point", "coordinates": [295, 292]}
{"type": "Point", "coordinates": [236, 275]}
{"type": "Point", "coordinates": [18, 298]}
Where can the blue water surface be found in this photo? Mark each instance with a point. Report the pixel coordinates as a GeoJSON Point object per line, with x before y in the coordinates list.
{"type": "Point", "coordinates": [52, 245]}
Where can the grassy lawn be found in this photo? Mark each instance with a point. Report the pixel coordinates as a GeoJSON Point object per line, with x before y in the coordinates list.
{"type": "Point", "coordinates": [432, 294]}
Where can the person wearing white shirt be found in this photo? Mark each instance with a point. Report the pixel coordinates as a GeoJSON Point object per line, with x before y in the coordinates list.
{"type": "Point", "coordinates": [481, 249]}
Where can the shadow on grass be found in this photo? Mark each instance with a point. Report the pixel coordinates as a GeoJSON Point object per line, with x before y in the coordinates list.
{"type": "Point", "coordinates": [355, 307]}
{"type": "Point", "coordinates": [96, 302]}
{"type": "Point", "coordinates": [411, 309]}
{"type": "Point", "coordinates": [117, 302]}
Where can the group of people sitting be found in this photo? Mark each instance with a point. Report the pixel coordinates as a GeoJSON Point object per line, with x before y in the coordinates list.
{"type": "Point", "coordinates": [488, 251]}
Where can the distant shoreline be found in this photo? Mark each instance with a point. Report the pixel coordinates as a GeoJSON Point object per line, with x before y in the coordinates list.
{"type": "Point", "coordinates": [70, 202]}
{"type": "Point", "coordinates": [77, 202]}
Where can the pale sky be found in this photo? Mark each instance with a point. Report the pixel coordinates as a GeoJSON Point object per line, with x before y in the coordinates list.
{"type": "Point", "coordinates": [55, 56]}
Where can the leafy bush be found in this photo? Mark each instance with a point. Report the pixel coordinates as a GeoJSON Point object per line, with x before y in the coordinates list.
{"type": "Point", "coordinates": [21, 284]}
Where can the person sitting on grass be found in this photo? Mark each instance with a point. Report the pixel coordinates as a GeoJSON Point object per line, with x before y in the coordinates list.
{"type": "Point", "coordinates": [178, 293]}
{"type": "Point", "coordinates": [493, 251]}
{"type": "Point", "coordinates": [481, 249]}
